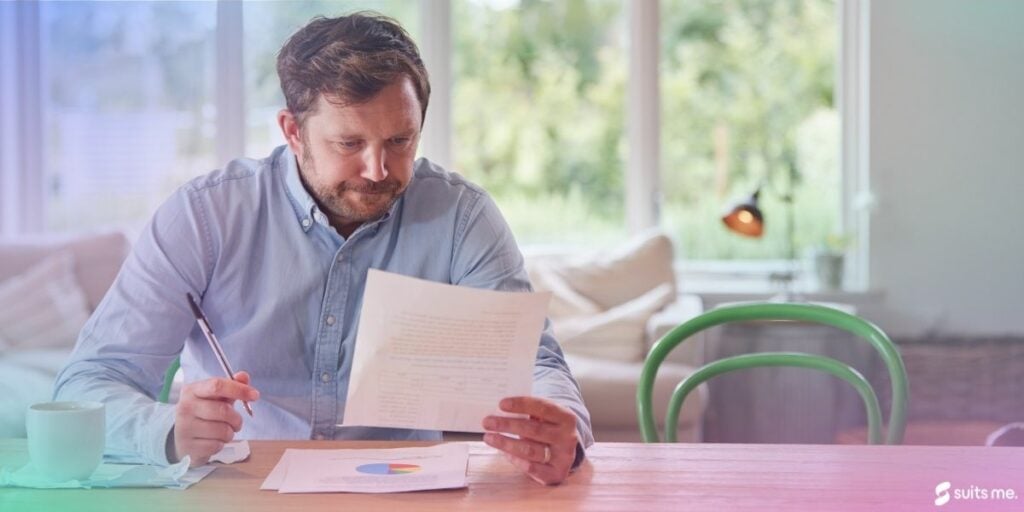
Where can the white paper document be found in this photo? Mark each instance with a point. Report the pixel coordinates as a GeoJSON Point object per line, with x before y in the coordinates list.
{"type": "Point", "coordinates": [370, 470]}
{"type": "Point", "coordinates": [440, 357]}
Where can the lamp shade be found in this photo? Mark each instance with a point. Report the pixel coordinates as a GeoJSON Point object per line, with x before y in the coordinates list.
{"type": "Point", "coordinates": [745, 217]}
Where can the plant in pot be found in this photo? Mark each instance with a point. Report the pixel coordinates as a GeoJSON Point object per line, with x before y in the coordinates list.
{"type": "Point", "coordinates": [828, 261]}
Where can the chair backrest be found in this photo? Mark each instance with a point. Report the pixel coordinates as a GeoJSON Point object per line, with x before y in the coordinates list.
{"type": "Point", "coordinates": [777, 311]}
{"type": "Point", "coordinates": [165, 393]}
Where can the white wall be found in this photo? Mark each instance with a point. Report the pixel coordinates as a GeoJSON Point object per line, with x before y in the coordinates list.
{"type": "Point", "coordinates": [947, 166]}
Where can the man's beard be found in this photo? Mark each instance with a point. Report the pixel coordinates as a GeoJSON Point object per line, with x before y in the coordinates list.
{"type": "Point", "coordinates": [347, 209]}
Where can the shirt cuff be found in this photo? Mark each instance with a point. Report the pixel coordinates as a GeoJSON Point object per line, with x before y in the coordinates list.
{"type": "Point", "coordinates": [156, 435]}
{"type": "Point", "coordinates": [580, 455]}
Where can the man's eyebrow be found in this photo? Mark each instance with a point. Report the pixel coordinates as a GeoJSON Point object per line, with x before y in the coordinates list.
{"type": "Point", "coordinates": [408, 132]}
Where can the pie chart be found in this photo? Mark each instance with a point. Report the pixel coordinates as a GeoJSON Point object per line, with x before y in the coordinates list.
{"type": "Point", "coordinates": [385, 468]}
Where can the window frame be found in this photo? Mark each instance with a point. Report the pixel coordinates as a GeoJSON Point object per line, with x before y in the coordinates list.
{"type": "Point", "coordinates": [22, 194]}
{"type": "Point", "coordinates": [852, 92]}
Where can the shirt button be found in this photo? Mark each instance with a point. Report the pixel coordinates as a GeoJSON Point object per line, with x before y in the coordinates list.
{"type": "Point", "coordinates": [325, 377]}
{"type": "Point", "coordinates": [330, 319]}
{"type": "Point", "coordinates": [306, 222]}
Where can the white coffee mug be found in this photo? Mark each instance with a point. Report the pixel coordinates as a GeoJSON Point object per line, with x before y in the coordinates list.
{"type": "Point", "coordinates": [66, 439]}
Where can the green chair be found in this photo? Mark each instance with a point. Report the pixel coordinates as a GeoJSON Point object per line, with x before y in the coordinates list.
{"type": "Point", "coordinates": [165, 393]}
{"type": "Point", "coordinates": [776, 311]}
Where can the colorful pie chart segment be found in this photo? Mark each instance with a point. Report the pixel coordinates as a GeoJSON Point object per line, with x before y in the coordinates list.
{"type": "Point", "coordinates": [385, 468]}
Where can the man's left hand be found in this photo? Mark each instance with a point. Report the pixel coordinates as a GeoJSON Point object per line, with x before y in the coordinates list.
{"type": "Point", "coordinates": [546, 447]}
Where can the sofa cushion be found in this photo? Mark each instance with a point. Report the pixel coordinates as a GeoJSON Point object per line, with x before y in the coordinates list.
{"type": "Point", "coordinates": [619, 276]}
{"type": "Point", "coordinates": [565, 301]}
{"type": "Point", "coordinates": [43, 307]}
{"type": "Point", "coordinates": [616, 334]}
{"type": "Point", "coordinates": [97, 257]}
{"type": "Point", "coordinates": [684, 308]}
{"type": "Point", "coordinates": [609, 391]}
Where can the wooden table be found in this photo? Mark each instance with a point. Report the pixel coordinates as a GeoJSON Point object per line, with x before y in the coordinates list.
{"type": "Point", "coordinates": [617, 476]}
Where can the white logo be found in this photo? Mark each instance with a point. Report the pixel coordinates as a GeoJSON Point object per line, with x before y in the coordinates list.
{"type": "Point", "coordinates": [945, 492]}
{"type": "Point", "coordinates": [942, 494]}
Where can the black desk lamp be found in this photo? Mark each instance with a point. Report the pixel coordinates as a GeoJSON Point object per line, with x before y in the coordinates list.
{"type": "Point", "coordinates": [745, 218]}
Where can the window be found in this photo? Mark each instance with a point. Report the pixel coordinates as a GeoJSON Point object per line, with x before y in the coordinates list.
{"type": "Point", "coordinates": [537, 107]}
{"type": "Point", "coordinates": [538, 94]}
{"type": "Point", "coordinates": [127, 106]}
{"type": "Point", "coordinates": [747, 100]}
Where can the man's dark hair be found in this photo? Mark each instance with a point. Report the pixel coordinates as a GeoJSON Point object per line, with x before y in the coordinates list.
{"type": "Point", "coordinates": [349, 60]}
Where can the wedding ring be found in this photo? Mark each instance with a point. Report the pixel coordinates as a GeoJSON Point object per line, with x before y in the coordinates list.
{"type": "Point", "coordinates": [547, 454]}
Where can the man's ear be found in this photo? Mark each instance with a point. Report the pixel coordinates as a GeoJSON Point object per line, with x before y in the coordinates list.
{"type": "Point", "coordinates": [291, 130]}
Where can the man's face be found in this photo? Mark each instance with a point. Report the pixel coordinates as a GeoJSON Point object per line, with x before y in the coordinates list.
{"type": "Point", "coordinates": [357, 160]}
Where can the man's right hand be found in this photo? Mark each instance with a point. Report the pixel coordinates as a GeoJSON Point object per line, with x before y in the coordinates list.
{"type": "Point", "coordinates": [205, 418]}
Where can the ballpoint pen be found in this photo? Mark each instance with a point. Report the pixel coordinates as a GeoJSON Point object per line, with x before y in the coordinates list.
{"type": "Point", "coordinates": [204, 325]}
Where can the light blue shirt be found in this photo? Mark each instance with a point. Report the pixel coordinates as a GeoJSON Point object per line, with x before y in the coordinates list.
{"type": "Point", "coordinates": [283, 291]}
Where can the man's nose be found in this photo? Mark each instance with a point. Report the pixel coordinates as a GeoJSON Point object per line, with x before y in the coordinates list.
{"type": "Point", "coordinates": [374, 168]}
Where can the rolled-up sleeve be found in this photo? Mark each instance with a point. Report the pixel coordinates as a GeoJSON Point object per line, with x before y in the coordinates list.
{"type": "Point", "coordinates": [552, 379]}
{"type": "Point", "coordinates": [138, 329]}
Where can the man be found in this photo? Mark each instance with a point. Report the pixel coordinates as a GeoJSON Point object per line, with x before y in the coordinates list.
{"type": "Point", "coordinates": [278, 250]}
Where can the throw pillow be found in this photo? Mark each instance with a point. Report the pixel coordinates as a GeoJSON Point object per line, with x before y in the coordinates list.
{"type": "Point", "coordinates": [565, 301]}
{"type": "Point", "coordinates": [97, 257]}
{"type": "Point", "coordinates": [617, 333]}
{"type": "Point", "coordinates": [44, 307]}
{"type": "Point", "coordinates": [624, 274]}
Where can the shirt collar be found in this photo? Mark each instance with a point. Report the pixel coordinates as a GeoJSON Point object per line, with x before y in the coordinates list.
{"type": "Point", "coordinates": [305, 206]}
{"type": "Point", "coordinates": [306, 210]}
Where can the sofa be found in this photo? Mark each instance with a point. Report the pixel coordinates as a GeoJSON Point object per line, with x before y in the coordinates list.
{"type": "Point", "coordinates": [607, 309]}
{"type": "Point", "coordinates": [48, 288]}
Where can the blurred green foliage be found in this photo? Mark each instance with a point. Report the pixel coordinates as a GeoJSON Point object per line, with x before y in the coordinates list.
{"type": "Point", "coordinates": [539, 103]}
{"type": "Point", "coordinates": [539, 113]}
{"type": "Point", "coordinates": [747, 97]}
